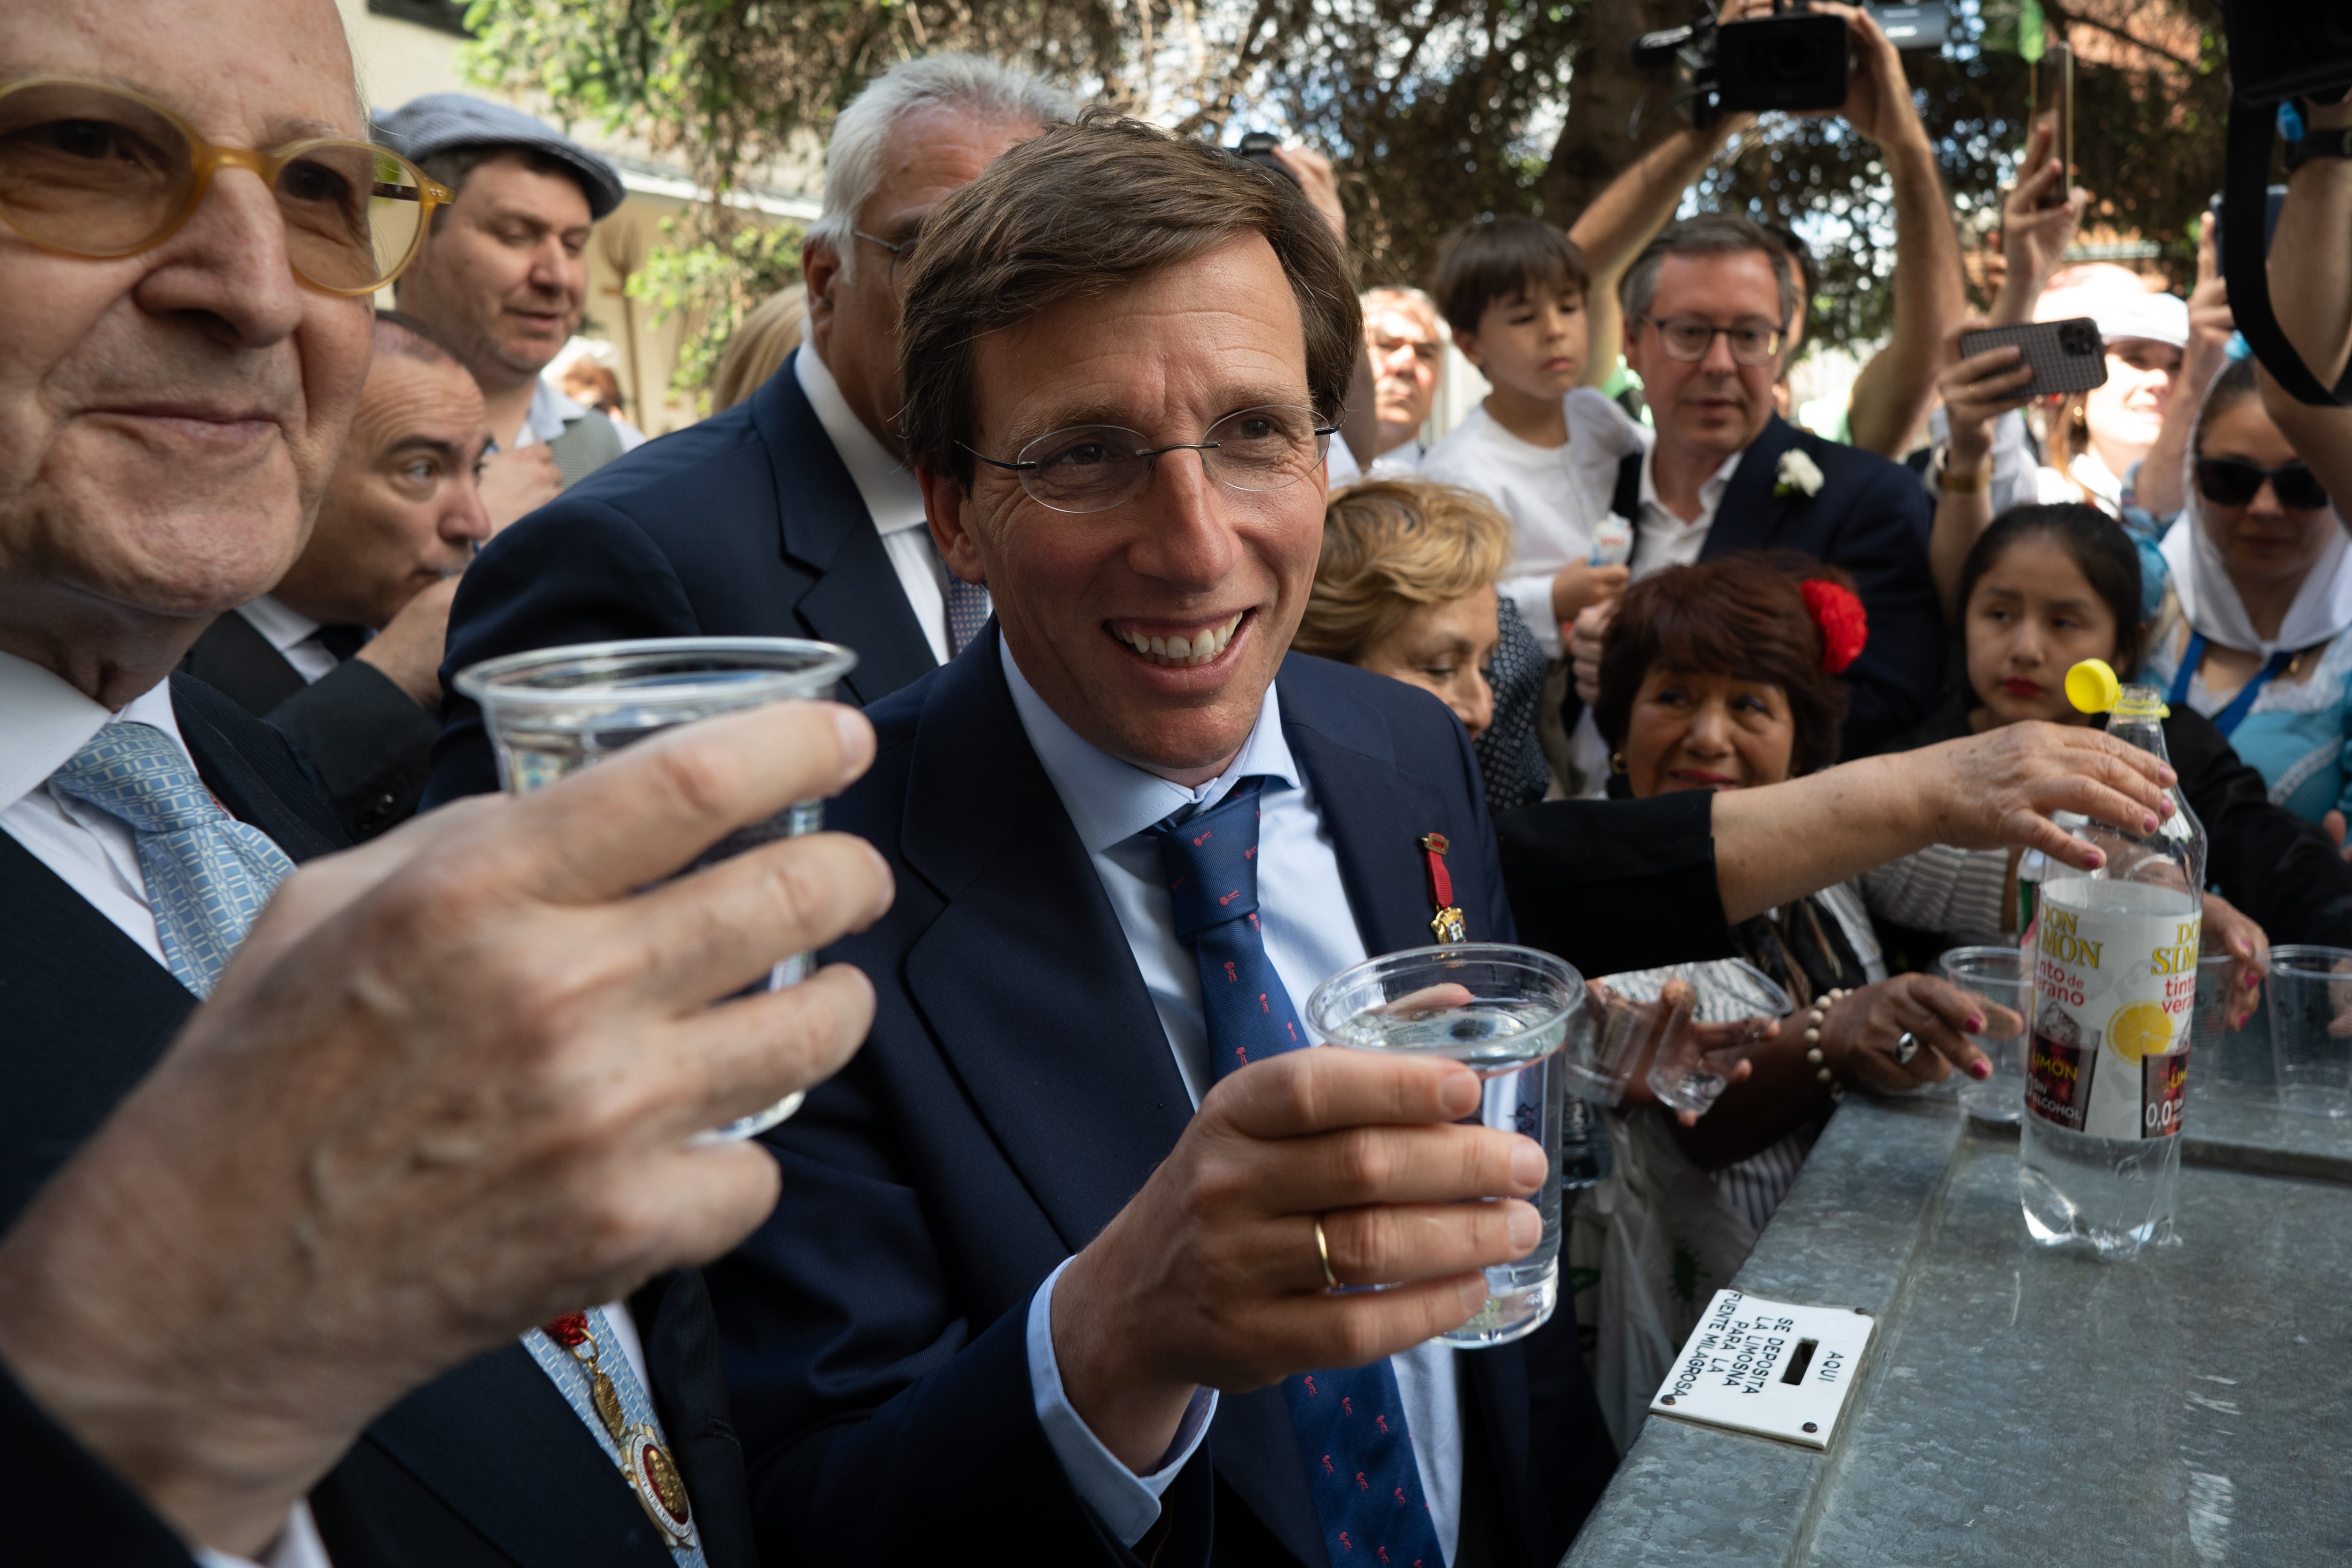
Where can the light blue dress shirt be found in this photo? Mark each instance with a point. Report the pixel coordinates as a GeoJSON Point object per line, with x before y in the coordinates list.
{"type": "Point", "coordinates": [1310, 935]}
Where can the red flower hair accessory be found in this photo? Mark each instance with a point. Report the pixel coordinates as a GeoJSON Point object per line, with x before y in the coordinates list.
{"type": "Point", "coordinates": [1844, 628]}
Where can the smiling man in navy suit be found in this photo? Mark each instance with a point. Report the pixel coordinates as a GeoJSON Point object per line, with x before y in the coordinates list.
{"type": "Point", "coordinates": [1070, 1191]}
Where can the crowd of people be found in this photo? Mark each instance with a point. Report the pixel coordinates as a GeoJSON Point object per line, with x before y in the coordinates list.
{"type": "Point", "coordinates": [352, 1205]}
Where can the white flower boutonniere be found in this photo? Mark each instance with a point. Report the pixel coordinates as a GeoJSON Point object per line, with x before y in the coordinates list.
{"type": "Point", "coordinates": [1798, 474]}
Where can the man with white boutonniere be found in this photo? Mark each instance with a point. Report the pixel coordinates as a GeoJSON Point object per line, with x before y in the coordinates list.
{"type": "Point", "coordinates": [1707, 307]}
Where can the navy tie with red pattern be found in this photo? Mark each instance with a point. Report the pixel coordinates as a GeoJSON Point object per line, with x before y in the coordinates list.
{"type": "Point", "coordinates": [1350, 1424]}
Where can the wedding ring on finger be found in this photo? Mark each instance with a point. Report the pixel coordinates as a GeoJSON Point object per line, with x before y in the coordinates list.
{"type": "Point", "coordinates": [1906, 1049]}
{"type": "Point", "coordinates": [1323, 1254]}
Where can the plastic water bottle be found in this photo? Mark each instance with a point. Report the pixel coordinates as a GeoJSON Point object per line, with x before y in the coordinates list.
{"type": "Point", "coordinates": [2115, 986]}
{"type": "Point", "coordinates": [1612, 541]}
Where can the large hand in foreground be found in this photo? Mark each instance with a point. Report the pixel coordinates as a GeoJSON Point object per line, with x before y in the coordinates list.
{"type": "Point", "coordinates": [1210, 1275]}
{"type": "Point", "coordinates": [446, 1091]}
{"type": "Point", "coordinates": [1988, 791]}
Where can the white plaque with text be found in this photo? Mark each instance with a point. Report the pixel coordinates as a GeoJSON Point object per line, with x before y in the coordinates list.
{"type": "Point", "coordinates": [1767, 1367]}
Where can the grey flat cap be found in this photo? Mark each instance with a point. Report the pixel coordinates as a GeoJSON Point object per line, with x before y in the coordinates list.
{"type": "Point", "coordinates": [444, 122]}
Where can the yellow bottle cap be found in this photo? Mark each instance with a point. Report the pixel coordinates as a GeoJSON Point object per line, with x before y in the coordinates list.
{"type": "Point", "coordinates": [2092, 686]}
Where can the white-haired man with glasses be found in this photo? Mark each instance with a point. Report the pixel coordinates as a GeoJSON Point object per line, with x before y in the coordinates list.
{"type": "Point", "coordinates": [793, 514]}
{"type": "Point", "coordinates": [311, 1180]}
{"type": "Point", "coordinates": [1709, 305]}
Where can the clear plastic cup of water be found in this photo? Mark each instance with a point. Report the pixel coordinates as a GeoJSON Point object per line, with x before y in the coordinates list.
{"type": "Point", "coordinates": [2003, 977]}
{"type": "Point", "coordinates": [552, 711]}
{"type": "Point", "coordinates": [1691, 1069]}
{"type": "Point", "coordinates": [2311, 1028]}
{"type": "Point", "coordinates": [1503, 1011]}
{"type": "Point", "coordinates": [2221, 1053]}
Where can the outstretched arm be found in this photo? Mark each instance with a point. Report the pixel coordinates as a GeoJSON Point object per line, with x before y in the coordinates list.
{"type": "Point", "coordinates": [2311, 291]}
{"type": "Point", "coordinates": [2157, 488]}
{"type": "Point", "coordinates": [1784, 841]}
{"type": "Point", "coordinates": [1625, 216]}
{"type": "Point", "coordinates": [1892, 393]}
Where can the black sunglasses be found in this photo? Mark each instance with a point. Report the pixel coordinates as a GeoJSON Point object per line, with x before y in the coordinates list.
{"type": "Point", "coordinates": [2229, 481]}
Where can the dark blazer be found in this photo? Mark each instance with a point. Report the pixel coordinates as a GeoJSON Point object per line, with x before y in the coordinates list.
{"type": "Point", "coordinates": [485, 1467]}
{"type": "Point", "coordinates": [371, 742]}
{"type": "Point", "coordinates": [745, 524]}
{"type": "Point", "coordinates": [1871, 519]}
{"type": "Point", "coordinates": [1016, 1091]}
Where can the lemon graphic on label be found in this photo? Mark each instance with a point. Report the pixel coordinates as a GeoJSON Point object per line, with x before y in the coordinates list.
{"type": "Point", "coordinates": [2138, 1030]}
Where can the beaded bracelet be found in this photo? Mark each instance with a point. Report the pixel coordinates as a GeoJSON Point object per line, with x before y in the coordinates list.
{"type": "Point", "coordinates": [1821, 1011]}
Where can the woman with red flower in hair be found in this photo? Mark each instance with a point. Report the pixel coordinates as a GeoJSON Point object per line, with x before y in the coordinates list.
{"type": "Point", "coordinates": [1724, 676]}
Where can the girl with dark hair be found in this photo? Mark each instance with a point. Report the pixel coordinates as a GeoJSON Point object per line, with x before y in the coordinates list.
{"type": "Point", "coordinates": [2042, 588]}
{"type": "Point", "coordinates": [2263, 644]}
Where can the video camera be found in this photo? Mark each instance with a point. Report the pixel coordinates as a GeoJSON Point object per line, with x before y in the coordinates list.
{"type": "Point", "coordinates": [1795, 60]}
{"type": "Point", "coordinates": [2279, 50]}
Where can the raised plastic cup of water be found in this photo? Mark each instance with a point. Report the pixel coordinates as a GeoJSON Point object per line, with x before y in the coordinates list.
{"type": "Point", "coordinates": [1503, 1011]}
{"type": "Point", "coordinates": [554, 711]}
{"type": "Point", "coordinates": [2002, 976]}
{"type": "Point", "coordinates": [1691, 1072]}
{"type": "Point", "coordinates": [2311, 1028]}
{"type": "Point", "coordinates": [2221, 1054]}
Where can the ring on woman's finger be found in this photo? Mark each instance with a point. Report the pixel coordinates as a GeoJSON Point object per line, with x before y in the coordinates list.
{"type": "Point", "coordinates": [1905, 1047]}
{"type": "Point", "coordinates": [1323, 1254]}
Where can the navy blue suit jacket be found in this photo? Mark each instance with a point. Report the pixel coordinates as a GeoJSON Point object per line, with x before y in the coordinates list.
{"type": "Point", "coordinates": [745, 525]}
{"type": "Point", "coordinates": [1016, 1091]}
{"type": "Point", "coordinates": [1871, 519]}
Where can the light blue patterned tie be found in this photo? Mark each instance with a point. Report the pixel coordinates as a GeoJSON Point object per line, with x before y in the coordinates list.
{"type": "Point", "coordinates": [578, 1352]}
{"type": "Point", "coordinates": [208, 873]}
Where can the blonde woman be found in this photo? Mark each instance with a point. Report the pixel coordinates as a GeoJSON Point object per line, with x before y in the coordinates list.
{"type": "Point", "coordinates": [763, 342]}
{"type": "Point", "coordinates": [1406, 588]}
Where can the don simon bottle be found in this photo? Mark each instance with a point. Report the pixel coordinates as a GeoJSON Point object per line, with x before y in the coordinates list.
{"type": "Point", "coordinates": [2115, 981]}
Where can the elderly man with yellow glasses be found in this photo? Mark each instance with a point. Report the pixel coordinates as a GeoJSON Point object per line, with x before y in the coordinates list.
{"type": "Point", "coordinates": [311, 1181]}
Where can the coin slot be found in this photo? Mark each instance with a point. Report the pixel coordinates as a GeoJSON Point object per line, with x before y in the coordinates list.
{"type": "Point", "coordinates": [1800, 1359]}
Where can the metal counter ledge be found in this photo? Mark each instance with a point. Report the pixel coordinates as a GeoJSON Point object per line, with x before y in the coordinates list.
{"type": "Point", "coordinates": [2018, 1406]}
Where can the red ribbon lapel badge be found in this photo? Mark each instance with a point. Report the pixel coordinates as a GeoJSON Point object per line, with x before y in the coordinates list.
{"type": "Point", "coordinates": [1446, 924]}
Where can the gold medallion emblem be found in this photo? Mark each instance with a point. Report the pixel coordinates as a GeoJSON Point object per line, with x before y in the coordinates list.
{"type": "Point", "coordinates": [607, 1400]}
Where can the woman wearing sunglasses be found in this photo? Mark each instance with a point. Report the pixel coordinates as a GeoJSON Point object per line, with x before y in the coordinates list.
{"type": "Point", "coordinates": [2262, 580]}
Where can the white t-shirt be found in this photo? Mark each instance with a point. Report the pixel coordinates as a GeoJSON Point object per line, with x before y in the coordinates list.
{"type": "Point", "coordinates": [1554, 496]}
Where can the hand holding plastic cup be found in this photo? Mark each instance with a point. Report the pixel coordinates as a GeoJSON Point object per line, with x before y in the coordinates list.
{"type": "Point", "coordinates": [554, 711]}
{"type": "Point", "coordinates": [1729, 1006]}
{"type": "Point", "coordinates": [1503, 1011]}
{"type": "Point", "coordinates": [2003, 977]}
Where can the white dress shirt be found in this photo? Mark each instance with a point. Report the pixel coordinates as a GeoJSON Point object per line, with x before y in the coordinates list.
{"type": "Point", "coordinates": [1401, 461]}
{"type": "Point", "coordinates": [1662, 538]}
{"type": "Point", "coordinates": [892, 498]}
{"type": "Point", "coordinates": [294, 635]}
{"type": "Point", "coordinates": [45, 721]}
{"type": "Point", "coordinates": [1310, 935]}
{"type": "Point", "coordinates": [1554, 496]}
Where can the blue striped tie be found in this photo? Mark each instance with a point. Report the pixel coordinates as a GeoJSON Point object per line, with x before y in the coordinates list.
{"type": "Point", "coordinates": [207, 874]}
{"type": "Point", "coordinates": [1350, 1424]}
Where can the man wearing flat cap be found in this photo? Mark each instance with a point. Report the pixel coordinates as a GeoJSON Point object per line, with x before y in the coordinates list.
{"type": "Point", "coordinates": [502, 280]}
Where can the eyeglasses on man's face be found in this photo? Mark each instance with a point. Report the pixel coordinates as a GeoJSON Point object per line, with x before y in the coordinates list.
{"type": "Point", "coordinates": [902, 252]}
{"type": "Point", "coordinates": [1094, 467]}
{"type": "Point", "coordinates": [92, 171]}
{"type": "Point", "coordinates": [1688, 339]}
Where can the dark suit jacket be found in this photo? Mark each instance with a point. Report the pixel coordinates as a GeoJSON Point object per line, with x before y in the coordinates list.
{"type": "Point", "coordinates": [1016, 1091]}
{"type": "Point", "coordinates": [1871, 519]}
{"type": "Point", "coordinates": [745, 525]}
{"type": "Point", "coordinates": [485, 1467]}
{"type": "Point", "coordinates": [371, 741]}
